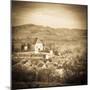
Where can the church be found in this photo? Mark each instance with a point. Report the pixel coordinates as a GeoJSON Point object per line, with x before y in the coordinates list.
{"type": "Point", "coordinates": [38, 45]}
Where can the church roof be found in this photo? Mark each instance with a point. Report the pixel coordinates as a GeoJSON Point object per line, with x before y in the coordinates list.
{"type": "Point", "coordinates": [37, 41]}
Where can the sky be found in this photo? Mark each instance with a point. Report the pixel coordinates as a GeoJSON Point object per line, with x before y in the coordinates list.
{"type": "Point", "coordinates": [49, 14]}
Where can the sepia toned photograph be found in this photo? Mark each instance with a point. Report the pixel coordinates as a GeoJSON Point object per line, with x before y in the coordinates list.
{"type": "Point", "coordinates": [49, 44]}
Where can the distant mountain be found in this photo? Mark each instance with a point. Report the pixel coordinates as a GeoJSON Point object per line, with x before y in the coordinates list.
{"type": "Point", "coordinates": [31, 31]}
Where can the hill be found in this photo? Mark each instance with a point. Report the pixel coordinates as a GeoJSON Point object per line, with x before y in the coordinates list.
{"type": "Point", "coordinates": [31, 31]}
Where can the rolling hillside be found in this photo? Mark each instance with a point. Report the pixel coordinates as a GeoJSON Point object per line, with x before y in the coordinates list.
{"type": "Point", "coordinates": [31, 30]}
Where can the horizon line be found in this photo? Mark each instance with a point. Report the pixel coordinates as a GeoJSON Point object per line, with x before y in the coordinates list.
{"type": "Point", "coordinates": [48, 26]}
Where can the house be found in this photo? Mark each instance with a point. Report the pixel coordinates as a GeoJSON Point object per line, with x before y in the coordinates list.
{"type": "Point", "coordinates": [25, 47]}
{"type": "Point", "coordinates": [49, 55]}
{"type": "Point", "coordinates": [38, 45]}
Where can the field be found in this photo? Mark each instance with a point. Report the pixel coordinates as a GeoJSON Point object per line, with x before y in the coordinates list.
{"type": "Point", "coordinates": [67, 67]}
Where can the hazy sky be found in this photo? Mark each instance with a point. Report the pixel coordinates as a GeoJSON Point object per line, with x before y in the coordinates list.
{"type": "Point", "coordinates": [46, 14]}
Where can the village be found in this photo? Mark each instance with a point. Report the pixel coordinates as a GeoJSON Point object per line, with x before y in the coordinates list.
{"type": "Point", "coordinates": [39, 64]}
{"type": "Point", "coordinates": [38, 48]}
{"type": "Point", "coordinates": [37, 60]}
